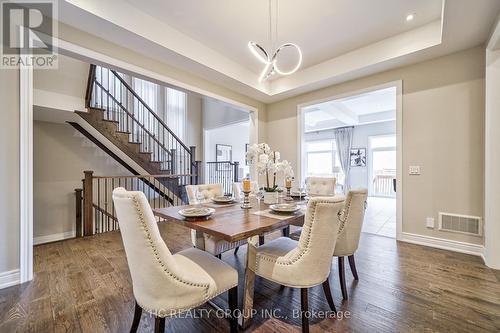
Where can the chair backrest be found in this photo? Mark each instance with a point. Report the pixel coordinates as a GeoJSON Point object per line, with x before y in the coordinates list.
{"type": "Point", "coordinates": [157, 280]}
{"type": "Point", "coordinates": [318, 238]}
{"type": "Point", "coordinates": [351, 217]}
{"type": "Point", "coordinates": [208, 190]}
{"type": "Point", "coordinates": [238, 189]}
{"type": "Point", "coordinates": [321, 186]}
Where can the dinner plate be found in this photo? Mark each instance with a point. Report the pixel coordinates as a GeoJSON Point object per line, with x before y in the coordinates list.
{"type": "Point", "coordinates": [297, 194]}
{"type": "Point", "coordinates": [196, 212]}
{"type": "Point", "coordinates": [285, 208]}
{"type": "Point", "coordinates": [222, 199]}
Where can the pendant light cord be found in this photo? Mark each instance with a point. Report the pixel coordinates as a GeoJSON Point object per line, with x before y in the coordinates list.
{"type": "Point", "coordinates": [270, 32]}
{"type": "Point", "coordinates": [273, 41]}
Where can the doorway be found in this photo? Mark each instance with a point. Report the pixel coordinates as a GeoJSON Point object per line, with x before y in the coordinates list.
{"type": "Point", "coordinates": [382, 166]}
{"type": "Point", "coordinates": [375, 115]}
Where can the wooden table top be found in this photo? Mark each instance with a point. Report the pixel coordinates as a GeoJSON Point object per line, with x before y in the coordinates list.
{"type": "Point", "coordinates": [232, 223]}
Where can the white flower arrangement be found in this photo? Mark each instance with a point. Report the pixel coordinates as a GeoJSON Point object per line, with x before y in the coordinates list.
{"type": "Point", "coordinates": [267, 162]}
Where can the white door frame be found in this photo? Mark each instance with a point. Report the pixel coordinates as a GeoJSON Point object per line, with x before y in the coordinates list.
{"type": "Point", "coordinates": [399, 140]}
{"type": "Point", "coordinates": [26, 134]}
{"type": "Point", "coordinates": [26, 173]}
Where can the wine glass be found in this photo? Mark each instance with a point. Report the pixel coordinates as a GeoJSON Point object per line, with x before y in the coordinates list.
{"type": "Point", "coordinates": [301, 189]}
{"type": "Point", "coordinates": [259, 195]}
{"type": "Point", "coordinates": [307, 191]}
{"type": "Point", "coordinates": [199, 197]}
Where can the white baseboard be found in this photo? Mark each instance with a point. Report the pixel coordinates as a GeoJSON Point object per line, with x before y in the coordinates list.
{"type": "Point", "coordinates": [53, 238]}
{"type": "Point", "coordinates": [9, 278]}
{"type": "Point", "coordinates": [444, 244]}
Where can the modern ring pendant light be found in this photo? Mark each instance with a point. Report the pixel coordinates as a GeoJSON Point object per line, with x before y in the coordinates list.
{"type": "Point", "coordinates": [270, 62]}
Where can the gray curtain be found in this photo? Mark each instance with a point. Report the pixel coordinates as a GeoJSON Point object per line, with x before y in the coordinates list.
{"type": "Point", "coordinates": [343, 139]}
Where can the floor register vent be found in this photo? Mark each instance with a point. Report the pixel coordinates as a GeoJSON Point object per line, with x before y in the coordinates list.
{"type": "Point", "coordinates": [464, 224]}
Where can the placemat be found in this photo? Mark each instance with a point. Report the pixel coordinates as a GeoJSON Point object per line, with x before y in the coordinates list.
{"type": "Point", "coordinates": [271, 214]}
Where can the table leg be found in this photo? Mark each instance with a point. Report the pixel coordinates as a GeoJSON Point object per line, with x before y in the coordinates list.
{"type": "Point", "coordinates": [248, 294]}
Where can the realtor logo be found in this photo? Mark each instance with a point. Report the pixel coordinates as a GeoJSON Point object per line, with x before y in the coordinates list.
{"type": "Point", "coordinates": [28, 32]}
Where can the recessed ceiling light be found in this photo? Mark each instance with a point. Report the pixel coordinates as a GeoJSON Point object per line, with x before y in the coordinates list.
{"type": "Point", "coordinates": [410, 17]}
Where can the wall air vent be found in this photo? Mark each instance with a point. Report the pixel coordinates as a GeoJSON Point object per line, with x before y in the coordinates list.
{"type": "Point", "coordinates": [464, 224]}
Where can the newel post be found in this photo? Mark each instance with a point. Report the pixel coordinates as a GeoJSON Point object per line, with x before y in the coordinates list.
{"type": "Point", "coordinates": [192, 164]}
{"type": "Point", "coordinates": [79, 207]}
{"type": "Point", "coordinates": [236, 170]}
{"type": "Point", "coordinates": [87, 203]}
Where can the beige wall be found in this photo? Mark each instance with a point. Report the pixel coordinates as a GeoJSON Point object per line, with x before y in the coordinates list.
{"type": "Point", "coordinates": [443, 128]}
{"type": "Point", "coordinates": [60, 155]}
{"type": "Point", "coordinates": [70, 78]}
{"type": "Point", "coordinates": [9, 169]}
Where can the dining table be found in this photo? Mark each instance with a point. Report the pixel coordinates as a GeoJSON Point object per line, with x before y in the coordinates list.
{"type": "Point", "coordinates": [232, 223]}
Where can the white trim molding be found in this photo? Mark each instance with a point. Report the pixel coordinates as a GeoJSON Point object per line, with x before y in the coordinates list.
{"type": "Point", "coordinates": [53, 238]}
{"type": "Point", "coordinates": [9, 278]}
{"type": "Point", "coordinates": [444, 244]}
{"type": "Point", "coordinates": [26, 173]}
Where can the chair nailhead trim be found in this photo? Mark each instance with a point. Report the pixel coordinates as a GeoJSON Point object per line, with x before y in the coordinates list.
{"type": "Point", "coordinates": [308, 231]}
{"type": "Point", "coordinates": [162, 264]}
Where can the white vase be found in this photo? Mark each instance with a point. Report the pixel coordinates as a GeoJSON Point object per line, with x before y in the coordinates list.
{"type": "Point", "coordinates": [270, 198]}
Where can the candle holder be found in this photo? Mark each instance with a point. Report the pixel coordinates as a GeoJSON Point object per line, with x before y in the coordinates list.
{"type": "Point", "coordinates": [288, 194]}
{"type": "Point", "coordinates": [246, 200]}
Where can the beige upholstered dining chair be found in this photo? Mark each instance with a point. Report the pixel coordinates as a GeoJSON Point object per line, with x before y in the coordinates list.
{"type": "Point", "coordinates": [321, 186]}
{"type": "Point", "coordinates": [238, 189]}
{"type": "Point", "coordinates": [304, 263]}
{"type": "Point", "coordinates": [164, 284]}
{"type": "Point", "coordinates": [351, 217]}
{"type": "Point", "coordinates": [203, 241]}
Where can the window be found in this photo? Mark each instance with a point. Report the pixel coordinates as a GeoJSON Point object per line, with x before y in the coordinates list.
{"type": "Point", "coordinates": [175, 115]}
{"type": "Point", "coordinates": [321, 158]}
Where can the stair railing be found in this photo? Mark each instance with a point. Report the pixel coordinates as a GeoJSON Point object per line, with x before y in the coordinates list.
{"type": "Point", "coordinates": [95, 211]}
{"type": "Point", "coordinates": [224, 173]}
{"type": "Point", "coordinates": [109, 91]}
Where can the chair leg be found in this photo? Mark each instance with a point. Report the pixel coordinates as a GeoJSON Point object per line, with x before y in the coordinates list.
{"type": "Point", "coordinates": [159, 325]}
{"type": "Point", "coordinates": [233, 306]}
{"type": "Point", "coordinates": [236, 249]}
{"type": "Point", "coordinates": [352, 264]}
{"type": "Point", "coordinates": [304, 310]}
{"type": "Point", "coordinates": [261, 239]}
{"type": "Point", "coordinates": [328, 295]}
{"type": "Point", "coordinates": [219, 256]}
{"type": "Point", "coordinates": [286, 231]}
{"type": "Point", "coordinates": [342, 277]}
{"type": "Point", "coordinates": [137, 318]}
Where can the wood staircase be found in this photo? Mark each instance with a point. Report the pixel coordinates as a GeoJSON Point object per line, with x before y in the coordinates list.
{"type": "Point", "coordinates": [116, 111]}
{"type": "Point", "coordinates": [109, 129]}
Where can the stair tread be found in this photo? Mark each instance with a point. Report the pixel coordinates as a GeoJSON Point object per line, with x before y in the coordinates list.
{"type": "Point", "coordinates": [111, 121]}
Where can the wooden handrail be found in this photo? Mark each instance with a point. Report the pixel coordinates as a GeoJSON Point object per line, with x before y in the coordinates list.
{"type": "Point", "coordinates": [146, 176]}
{"type": "Point", "coordinates": [90, 82]}
{"type": "Point", "coordinates": [103, 211]}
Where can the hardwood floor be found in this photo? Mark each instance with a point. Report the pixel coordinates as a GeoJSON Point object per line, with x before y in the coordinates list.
{"type": "Point", "coordinates": [83, 285]}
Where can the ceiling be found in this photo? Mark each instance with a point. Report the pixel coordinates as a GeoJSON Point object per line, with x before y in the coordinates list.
{"type": "Point", "coordinates": [227, 25]}
{"type": "Point", "coordinates": [340, 39]}
{"type": "Point", "coordinates": [366, 108]}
